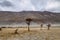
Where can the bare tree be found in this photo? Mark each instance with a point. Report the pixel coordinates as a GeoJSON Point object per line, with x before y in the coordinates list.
{"type": "Point", "coordinates": [41, 26]}
{"type": "Point", "coordinates": [49, 25]}
{"type": "Point", "coordinates": [28, 21]}
{"type": "Point", "coordinates": [0, 29]}
{"type": "Point", "coordinates": [16, 31]}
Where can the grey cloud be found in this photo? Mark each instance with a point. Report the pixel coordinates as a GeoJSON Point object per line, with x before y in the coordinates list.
{"type": "Point", "coordinates": [6, 4]}
{"type": "Point", "coordinates": [39, 5]}
{"type": "Point", "coordinates": [57, 0]}
{"type": "Point", "coordinates": [55, 9]}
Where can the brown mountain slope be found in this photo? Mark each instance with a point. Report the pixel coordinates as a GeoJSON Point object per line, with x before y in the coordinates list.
{"type": "Point", "coordinates": [37, 16]}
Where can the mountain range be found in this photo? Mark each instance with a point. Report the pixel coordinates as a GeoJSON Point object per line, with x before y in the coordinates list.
{"type": "Point", "coordinates": [36, 16]}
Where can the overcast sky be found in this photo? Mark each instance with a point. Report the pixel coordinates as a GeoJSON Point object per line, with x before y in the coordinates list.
{"type": "Point", "coordinates": [34, 5]}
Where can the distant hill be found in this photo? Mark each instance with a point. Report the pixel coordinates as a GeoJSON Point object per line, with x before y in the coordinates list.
{"type": "Point", "coordinates": [36, 16]}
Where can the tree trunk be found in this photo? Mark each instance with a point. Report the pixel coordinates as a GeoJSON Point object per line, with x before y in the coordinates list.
{"type": "Point", "coordinates": [16, 31]}
{"type": "Point", "coordinates": [0, 29]}
{"type": "Point", "coordinates": [48, 28]}
{"type": "Point", "coordinates": [28, 28]}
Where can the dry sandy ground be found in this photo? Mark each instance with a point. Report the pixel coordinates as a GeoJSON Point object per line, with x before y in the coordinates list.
{"type": "Point", "coordinates": [34, 34]}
